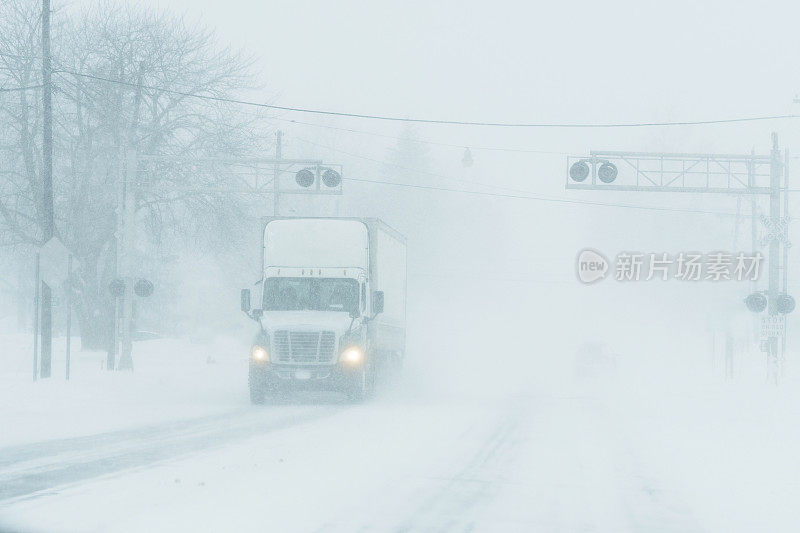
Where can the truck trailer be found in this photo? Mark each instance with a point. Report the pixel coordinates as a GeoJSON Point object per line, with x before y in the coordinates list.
{"type": "Point", "coordinates": [331, 309]}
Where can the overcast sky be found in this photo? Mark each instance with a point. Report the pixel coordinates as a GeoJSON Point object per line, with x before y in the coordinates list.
{"type": "Point", "coordinates": [500, 60]}
{"type": "Point", "coordinates": [568, 61]}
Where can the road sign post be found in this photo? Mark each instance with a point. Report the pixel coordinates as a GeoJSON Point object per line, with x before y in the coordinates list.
{"type": "Point", "coordinates": [53, 259]}
{"type": "Point", "coordinates": [36, 320]}
{"type": "Point", "coordinates": [69, 314]}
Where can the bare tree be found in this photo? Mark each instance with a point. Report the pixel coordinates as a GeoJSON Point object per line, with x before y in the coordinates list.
{"type": "Point", "coordinates": [125, 79]}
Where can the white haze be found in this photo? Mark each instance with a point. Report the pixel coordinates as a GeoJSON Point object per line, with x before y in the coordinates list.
{"type": "Point", "coordinates": [495, 312]}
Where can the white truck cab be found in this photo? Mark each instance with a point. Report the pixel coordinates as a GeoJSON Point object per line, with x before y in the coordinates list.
{"type": "Point", "coordinates": [331, 310]}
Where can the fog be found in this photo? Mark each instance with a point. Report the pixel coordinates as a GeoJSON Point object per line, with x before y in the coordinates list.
{"type": "Point", "coordinates": [528, 400]}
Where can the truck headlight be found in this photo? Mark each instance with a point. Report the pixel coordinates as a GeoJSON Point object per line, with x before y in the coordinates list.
{"type": "Point", "coordinates": [352, 356]}
{"type": "Point", "coordinates": [259, 353]}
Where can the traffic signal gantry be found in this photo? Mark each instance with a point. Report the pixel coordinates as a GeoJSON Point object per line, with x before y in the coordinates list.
{"type": "Point", "coordinates": [745, 175]}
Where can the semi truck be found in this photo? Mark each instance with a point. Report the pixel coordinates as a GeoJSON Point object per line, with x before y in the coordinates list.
{"type": "Point", "coordinates": [330, 307]}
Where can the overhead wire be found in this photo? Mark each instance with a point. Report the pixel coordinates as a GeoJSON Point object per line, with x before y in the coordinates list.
{"type": "Point", "coordinates": [418, 171]}
{"type": "Point", "coordinates": [428, 120]}
{"type": "Point", "coordinates": [15, 89]}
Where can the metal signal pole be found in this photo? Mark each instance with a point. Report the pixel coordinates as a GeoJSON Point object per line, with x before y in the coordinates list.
{"type": "Point", "coordinates": [47, 188]}
{"type": "Point", "coordinates": [774, 245]}
{"type": "Point", "coordinates": [276, 197]}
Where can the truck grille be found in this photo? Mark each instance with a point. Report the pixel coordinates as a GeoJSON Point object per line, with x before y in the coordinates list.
{"type": "Point", "coordinates": [304, 346]}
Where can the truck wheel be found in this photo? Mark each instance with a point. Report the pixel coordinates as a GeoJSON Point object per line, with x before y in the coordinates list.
{"type": "Point", "coordinates": [257, 395]}
{"type": "Point", "coordinates": [359, 386]}
{"type": "Point", "coordinates": [395, 367]}
{"type": "Point", "coordinates": [258, 388]}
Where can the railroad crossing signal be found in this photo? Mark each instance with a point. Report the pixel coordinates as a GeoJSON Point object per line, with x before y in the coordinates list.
{"type": "Point", "coordinates": [305, 177]}
{"type": "Point", "coordinates": [141, 287]}
{"type": "Point", "coordinates": [579, 171]}
{"type": "Point", "coordinates": [607, 172]}
{"type": "Point", "coordinates": [756, 302]}
{"type": "Point", "coordinates": [330, 178]}
{"type": "Point", "coordinates": [784, 304]}
{"type": "Point", "coordinates": [602, 169]}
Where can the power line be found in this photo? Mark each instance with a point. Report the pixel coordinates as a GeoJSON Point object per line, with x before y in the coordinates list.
{"type": "Point", "coordinates": [422, 141]}
{"type": "Point", "coordinates": [15, 89]}
{"type": "Point", "coordinates": [430, 121]}
{"type": "Point", "coordinates": [434, 174]}
{"type": "Point", "coordinates": [407, 139]}
{"type": "Point", "coordinates": [16, 56]}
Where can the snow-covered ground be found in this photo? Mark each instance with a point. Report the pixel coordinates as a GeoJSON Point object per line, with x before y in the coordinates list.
{"type": "Point", "coordinates": [176, 446]}
{"type": "Point", "coordinates": [173, 380]}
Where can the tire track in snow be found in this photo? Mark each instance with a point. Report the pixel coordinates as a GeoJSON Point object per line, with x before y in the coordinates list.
{"type": "Point", "coordinates": [53, 449]}
{"type": "Point", "coordinates": [474, 484]}
{"type": "Point", "coordinates": [26, 471]}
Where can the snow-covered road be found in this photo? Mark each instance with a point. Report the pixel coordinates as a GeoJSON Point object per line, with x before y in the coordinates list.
{"type": "Point", "coordinates": [168, 450]}
{"type": "Point", "coordinates": [28, 469]}
{"type": "Point", "coordinates": [509, 464]}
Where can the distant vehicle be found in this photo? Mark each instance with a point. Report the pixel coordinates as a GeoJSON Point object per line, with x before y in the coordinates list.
{"type": "Point", "coordinates": [332, 308]}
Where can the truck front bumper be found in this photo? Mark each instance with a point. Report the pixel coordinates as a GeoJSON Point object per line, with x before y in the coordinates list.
{"type": "Point", "coordinates": [317, 377]}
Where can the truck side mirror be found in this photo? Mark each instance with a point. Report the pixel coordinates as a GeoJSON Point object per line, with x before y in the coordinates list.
{"type": "Point", "coordinates": [377, 302]}
{"type": "Point", "coordinates": [246, 300]}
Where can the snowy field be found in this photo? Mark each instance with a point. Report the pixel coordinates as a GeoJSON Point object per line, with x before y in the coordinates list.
{"type": "Point", "coordinates": [177, 447]}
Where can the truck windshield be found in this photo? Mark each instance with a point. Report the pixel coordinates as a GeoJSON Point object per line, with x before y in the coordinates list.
{"type": "Point", "coordinates": [310, 294]}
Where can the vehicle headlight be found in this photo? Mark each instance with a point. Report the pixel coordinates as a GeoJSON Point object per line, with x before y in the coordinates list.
{"type": "Point", "coordinates": [259, 353]}
{"type": "Point", "coordinates": [352, 355]}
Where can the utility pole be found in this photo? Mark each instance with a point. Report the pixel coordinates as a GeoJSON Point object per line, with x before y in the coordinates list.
{"type": "Point", "coordinates": [276, 197]}
{"type": "Point", "coordinates": [48, 229]}
{"type": "Point", "coordinates": [125, 262]}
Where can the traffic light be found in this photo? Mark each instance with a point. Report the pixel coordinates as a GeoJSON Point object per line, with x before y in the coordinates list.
{"type": "Point", "coordinates": [607, 172]}
{"type": "Point", "coordinates": [331, 178]}
{"type": "Point", "coordinates": [117, 287]}
{"type": "Point", "coordinates": [579, 171]}
{"type": "Point", "coordinates": [143, 288]}
{"type": "Point", "coordinates": [756, 302]}
{"type": "Point", "coordinates": [784, 304]}
{"type": "Point", "coordinates": [305, 177]}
